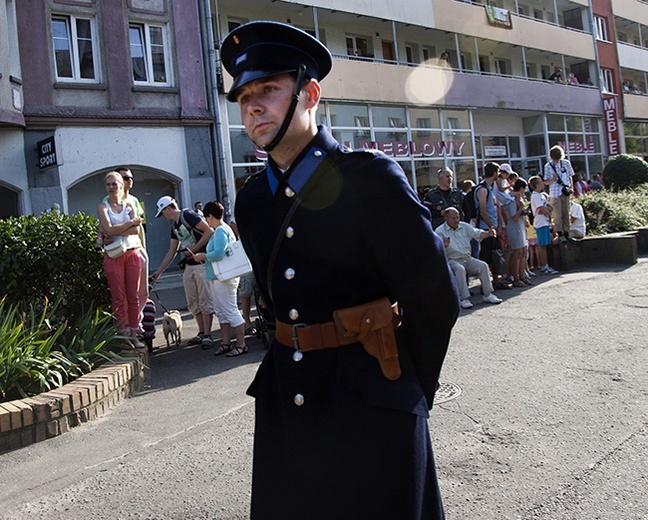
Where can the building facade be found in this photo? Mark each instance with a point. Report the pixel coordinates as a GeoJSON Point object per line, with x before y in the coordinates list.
{"type": "Point", "coordinates": [90, 85]}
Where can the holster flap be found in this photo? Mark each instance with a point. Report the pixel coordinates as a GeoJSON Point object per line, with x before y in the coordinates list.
{"type": "Point", "coordinates": [373, 324]}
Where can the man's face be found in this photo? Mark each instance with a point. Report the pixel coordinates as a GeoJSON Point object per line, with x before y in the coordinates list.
{"type": "Point", "coordinates": [452, 218]}
{"type": "Point", "coordinates": [128, 179]}
{"type": "Point", "coordinates": [264, 104]}
{"type": "Point", "coordinates": [445, 179]}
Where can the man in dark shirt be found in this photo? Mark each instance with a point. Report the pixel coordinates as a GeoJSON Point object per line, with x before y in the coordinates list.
{"type": "Point", "coordinates": [337, 434]}
{"type": "Point", "coordinates": [442, 197]}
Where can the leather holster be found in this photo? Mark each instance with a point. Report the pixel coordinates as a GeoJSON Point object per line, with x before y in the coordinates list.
{"type": "Point", "coordinates": [373, 325]}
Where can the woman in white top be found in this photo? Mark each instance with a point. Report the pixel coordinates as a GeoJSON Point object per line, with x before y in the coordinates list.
{"type": "Point", "coordinates": [119, 221]}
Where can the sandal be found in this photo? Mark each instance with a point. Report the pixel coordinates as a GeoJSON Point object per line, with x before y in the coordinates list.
{"type": "Point", "coordinates": [238, 351]}
{"type": "Point", "coordinates": [223, 349]}
{"type": "Point", "coordinates": [251, 331]}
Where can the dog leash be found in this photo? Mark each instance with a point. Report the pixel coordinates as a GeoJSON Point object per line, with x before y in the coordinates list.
{"type": "Point", "coordinates": [153, 290]}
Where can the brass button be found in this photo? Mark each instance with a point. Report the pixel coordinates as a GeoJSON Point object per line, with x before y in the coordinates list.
{"type": "Point", "coordinates": [298, 356]}
{"type": "Point", "coordinates": [289, 192]}
{"type": "Point", "coordinates": [299, 399]}
{"type": "Point", "coordinates": [290, 231]}
{"type": "Point", "coordinates": [290, 273]}
{"type": "Point", "coordinates": [317, 153]}
{"type": "Point", "coordinates": [293, 314]}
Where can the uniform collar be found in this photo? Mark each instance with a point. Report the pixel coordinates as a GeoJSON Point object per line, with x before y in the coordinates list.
{"type": "Point", "coordinates": [304, 166]}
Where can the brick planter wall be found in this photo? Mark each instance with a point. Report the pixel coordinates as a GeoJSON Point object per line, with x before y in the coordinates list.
{"type": "Point", "coordinates": [33, 419]}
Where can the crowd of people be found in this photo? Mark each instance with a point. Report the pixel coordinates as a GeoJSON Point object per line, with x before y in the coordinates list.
{"type": "Point", "coordinates": [200, 235]}
{"type": "Point", "coordinates": [500, 229]}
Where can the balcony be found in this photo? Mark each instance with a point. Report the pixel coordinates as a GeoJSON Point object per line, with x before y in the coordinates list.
{"type": "Point", "coordinates": [369, 80]}
{"type": "Point", "coordinates": [635, 106]}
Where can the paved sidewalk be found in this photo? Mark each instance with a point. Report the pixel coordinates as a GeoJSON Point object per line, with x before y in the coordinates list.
{"type": "Point", "coordinates": [551, 422]}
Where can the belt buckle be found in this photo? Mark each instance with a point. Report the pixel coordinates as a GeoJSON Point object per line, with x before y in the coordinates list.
{"type": "Point", "coordinates": [295, 339]}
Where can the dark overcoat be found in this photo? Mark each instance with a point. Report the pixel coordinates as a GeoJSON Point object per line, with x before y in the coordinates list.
{"type": "Point", "coordinates": [334, 439]}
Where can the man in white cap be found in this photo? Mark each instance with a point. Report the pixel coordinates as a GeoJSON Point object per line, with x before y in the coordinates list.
{"type": "Point", "coordinates": [336, 238]}
{"type": "Point", "coordinates": [189, 234]}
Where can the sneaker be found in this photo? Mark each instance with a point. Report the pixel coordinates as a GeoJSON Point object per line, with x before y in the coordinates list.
{"type": "Point", "coordinates": [548, 270]}
{"type": "Point", "coordinates": [530, 273]}
{"type": "Point", "coordinates": [466, 304]}
{"type": "Point", "coordinates": [196, 340]}
{"type": "Point", "coordinates": [137, 343]}
{"type": "Point", "coordinates": [491, 298]}
{"type": "Point", "coordinates": [207, 343]}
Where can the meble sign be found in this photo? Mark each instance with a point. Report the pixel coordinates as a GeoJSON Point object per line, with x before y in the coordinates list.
{"type": "Point", "coordinates": [47, 156]}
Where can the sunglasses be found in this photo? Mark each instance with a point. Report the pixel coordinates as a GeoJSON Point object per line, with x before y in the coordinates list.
{"type": "Point", "coordinates": [127, 178]}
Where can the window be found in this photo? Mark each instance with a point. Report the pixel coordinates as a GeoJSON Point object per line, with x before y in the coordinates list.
{"type": "Point", "coordinates": [607, 80]}
{"type": "Point", "coordinates": [75, 44]}
{"type": "Point", "coordinates": [359, 46]}
{"type": "Point", "coordinates": [149, 54]}
{"type": "Point", "coordinates": [600, 25]}
{"type": "Point", "coordinates": [573, 19]}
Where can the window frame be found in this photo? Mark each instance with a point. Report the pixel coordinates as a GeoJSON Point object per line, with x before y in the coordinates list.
{"type": "Point", "coordinates": [144, 30]}
{"type": "Point", "coordinates": [600, 28]}
{"type": "Point", "coordinates": [73, 43]}
{"type": "Point", "coordinates": [607, 80]}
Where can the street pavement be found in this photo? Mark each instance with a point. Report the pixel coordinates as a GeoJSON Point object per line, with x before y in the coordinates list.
{"type": "Point", "coordinates": [549, 420]}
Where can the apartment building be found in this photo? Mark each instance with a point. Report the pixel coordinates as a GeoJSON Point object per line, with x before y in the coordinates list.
{"type": "Point", "coordinates": [105, 83]}
{"type": "Point", "coordinates": [459, 83]}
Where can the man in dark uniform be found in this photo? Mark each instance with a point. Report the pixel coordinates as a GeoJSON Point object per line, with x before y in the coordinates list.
{"type": "Point", "coordinates": [335, 237]}
{"type": "Point", "coordinates": [442, 197]}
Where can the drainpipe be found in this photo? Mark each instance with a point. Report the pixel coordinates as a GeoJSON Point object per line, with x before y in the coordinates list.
{"type": "Point", "coordinates": [211, 76]}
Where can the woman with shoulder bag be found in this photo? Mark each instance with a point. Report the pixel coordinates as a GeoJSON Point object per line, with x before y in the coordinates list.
{"type": "Point", "coordinates": [122, 261]}
{"type": "Point", "coordinates": [223, 292]}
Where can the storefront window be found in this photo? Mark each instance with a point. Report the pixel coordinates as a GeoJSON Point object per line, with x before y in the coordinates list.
{"type": "Point", "coordinates": [243, 150]}
{"type": "Point", "coordinates": [393, 144]}
{"type": "Point", "coordinates": [234, 114]}
{"type": "Point", "coordinates": [595, 164]}
{"type": "Point", "coordinates": [464, 169]}
{"type": "Point", "coordinates": [574, 124]}
{"type": "Point", "coordinates": [533, 125]}
{"type": "Point", "coordinates": [424, 118]}
{"type": "Point", "coordinates": [353, 138]}
{"type": "Point", "coordinates": [535, 145]}
{"type": "Point", "coordinates": [455, 119]}
{"type": "Point", "coordinates": [388, 117]}
{"type": "Point", "coordinates": [349, 115]}
{"type": "Point", "coordinates": [458, 144]}
{"type": "Point", "coordinates": [555, 123]}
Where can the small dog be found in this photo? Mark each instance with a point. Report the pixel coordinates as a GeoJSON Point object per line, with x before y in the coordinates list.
{"type": "Point", "coordinates": [172, 326]}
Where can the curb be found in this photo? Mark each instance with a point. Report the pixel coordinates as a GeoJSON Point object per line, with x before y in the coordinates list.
{"type": "Point", "coordinates": [34, 419]}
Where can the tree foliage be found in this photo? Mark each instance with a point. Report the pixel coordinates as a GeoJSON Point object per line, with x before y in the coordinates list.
{"type": "Point", "coordinates": [625, 171]}
{"type": "Point", "coordinates": [52, 256]}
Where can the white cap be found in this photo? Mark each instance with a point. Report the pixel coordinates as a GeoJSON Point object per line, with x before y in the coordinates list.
{"type": "Point", "coordinates": [162, 203]}
{"type": "Point", "coordinates": [506, 168]}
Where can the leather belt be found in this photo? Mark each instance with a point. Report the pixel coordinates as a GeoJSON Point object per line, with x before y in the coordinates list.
{"type": "Point", "coordinates": [304, 337]}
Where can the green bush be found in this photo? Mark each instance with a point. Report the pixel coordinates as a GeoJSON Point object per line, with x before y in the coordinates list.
{"type": "Point", "coordinates": [609, 212]}
{"type": "Point", "coordinates": [625, 171]}
{"type": "Point", "coordinates": [36, 356]}
{"type": "Point", "coordinates": [55, 257]}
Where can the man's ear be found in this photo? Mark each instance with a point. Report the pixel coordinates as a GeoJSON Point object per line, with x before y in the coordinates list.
{"type": "Point", "coordinates": [313, 92]}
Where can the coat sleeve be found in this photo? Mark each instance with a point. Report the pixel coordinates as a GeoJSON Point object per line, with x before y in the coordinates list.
{"type": "Point", "coordinates": [412, 261]}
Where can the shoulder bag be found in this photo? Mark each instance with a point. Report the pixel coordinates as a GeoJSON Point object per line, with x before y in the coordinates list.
{"type": "Point", "coordinates": [234, 263]}
{"type": "Point", "coordinates": [116, 248]}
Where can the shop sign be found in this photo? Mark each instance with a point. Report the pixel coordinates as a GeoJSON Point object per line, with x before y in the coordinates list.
{"type": "Point", "coordinates": [495, 151]}
{"type": "Point", "coordinates": [47, 155]}
{"type": "Point", "coordinates": [611, 124]}
{"type": "Point", "coordinates": [578, 146]}
{"type": "Point", "coordinates": [399, 148]}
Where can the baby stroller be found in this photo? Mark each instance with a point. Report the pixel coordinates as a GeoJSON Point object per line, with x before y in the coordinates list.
{"type": "Point", "coordinates": [264, 324]}
{"type": "Point", "coordinates": [148, 323]}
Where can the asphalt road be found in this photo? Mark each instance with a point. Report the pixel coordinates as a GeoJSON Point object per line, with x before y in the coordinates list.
{"type": "Point", "coordinates": [551, 422]}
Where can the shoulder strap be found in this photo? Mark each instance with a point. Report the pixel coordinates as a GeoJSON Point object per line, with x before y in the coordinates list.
{"type": "Point", "coordinates": [310, 185]}
{"type": "Point", "coordinates": [184, 222]}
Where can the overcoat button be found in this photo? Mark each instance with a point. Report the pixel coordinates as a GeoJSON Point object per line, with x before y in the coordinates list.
{"type": "Point", "coordinates": [293, 314]}
{"type": "Point", "coordinates": [298, 356]}
{"type": "Point", "coordinates": [289, 192]}
{"type": "Point", "coordinates": [299, 399]}
{"type": "Point", "coordinates": [290, 232]}
{"type": "Point", "coordinates": [317, 153]}
{"type": "Point", "coordinates": [290, 273]}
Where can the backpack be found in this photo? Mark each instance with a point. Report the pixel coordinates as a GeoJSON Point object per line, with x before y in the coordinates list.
{"type": "Point", "coordinates": [489, 193]}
